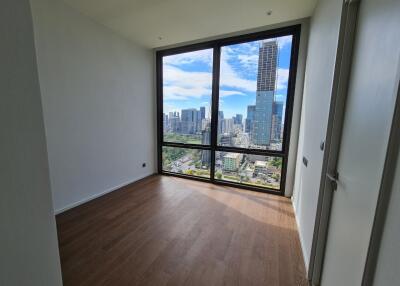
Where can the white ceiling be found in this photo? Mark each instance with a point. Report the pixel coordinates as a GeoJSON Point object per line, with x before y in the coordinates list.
{"type": "Point", "coordinates": [176, 21]}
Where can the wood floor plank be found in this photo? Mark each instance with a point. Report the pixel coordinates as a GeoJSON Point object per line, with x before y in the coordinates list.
{"type": "Point", "coordinates": [171, 231]}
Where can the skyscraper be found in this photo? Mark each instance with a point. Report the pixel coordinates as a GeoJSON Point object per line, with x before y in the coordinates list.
{"type": "Point", "coordinates": [267, 61]}
{"type": "Point", "coordinates": [165, 122]}
{"type": "Point", "coordinates": [200, 116]}
{"type": "Point", "coordinates": [251, 109]}
{"type": "Point", "coordinates": [277, 111]}
{"type": "Point", "coordinates": [174, 122]}
{"type": "Point", "coordinates": [220, 120]}
{"type": "Point", "coordinates": [205, 140]}
{"type": "Point", "coordinates": [189, 120]}
{"type": "Point", "coordinates": [227, 126]}
{"type": "Point", "coordinates": [238, 119]}
{"type": "Point", "coordinates": [202, 112]}
{"type": "Point", "coordinates": [266, 77]}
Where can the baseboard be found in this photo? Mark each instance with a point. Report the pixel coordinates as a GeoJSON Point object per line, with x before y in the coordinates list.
{"type": "Point", "coordinates": [303, 252]}
{"type": "Point", "coordinates": [88, 199]}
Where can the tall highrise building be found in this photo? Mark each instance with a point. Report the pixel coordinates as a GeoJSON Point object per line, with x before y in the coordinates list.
{"type": "Point", "coordinates": [277, 111]}
{"type": "Point", "coordinates": [202, 112]}
{"type": "Point", "coordinates": [205, 140]}
{"type": "Point", "coordinates": [227, 126]}
{"type": "Point", "coordinates": [189, 120]}
{"type": "Point", "coordinates": [165, 123]}
{"type": "Point", "coordinates": [267, 63]}
{"type": "Point", "coordinates": [220, 121]}
{"type": "Point", "coordinates": [237, 119]}
{"type": "Point", "coordinates": [266, 78]}
{"type": "Point", "coordinates": [174, 122]}
{"type": "Point", "coordinates": [251, 110]}
{"type": "Point", "coordinates": [205, 123]}
{"type": "Point", "coordinates": [200, 116]}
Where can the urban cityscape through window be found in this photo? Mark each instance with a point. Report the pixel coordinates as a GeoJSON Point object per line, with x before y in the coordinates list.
{"type": "Point", "coordinates": [250, 111]}
{"type": "Point", "coordinates": [249, 169]}
{"type": "Point", "coordinates": [187, 80]}
{"type": "Point", "coordinates": [251, 115]}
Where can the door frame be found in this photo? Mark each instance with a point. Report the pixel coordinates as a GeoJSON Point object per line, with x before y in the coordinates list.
{"type": "Point", "coordinates": [216, 45]}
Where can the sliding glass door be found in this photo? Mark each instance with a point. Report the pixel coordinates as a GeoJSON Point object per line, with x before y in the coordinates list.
{"type": "Point", "coordinates": [224, 109]}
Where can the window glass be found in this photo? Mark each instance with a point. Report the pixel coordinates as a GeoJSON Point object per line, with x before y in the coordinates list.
{"type": "Point", "coordinates": [253, 92]}
{"type": "Point", "coordinates": [194, 162]}
{"type": "Point", "coordinates": [187, 82]}
{"type": "Point", "coordinates": [255, 170]}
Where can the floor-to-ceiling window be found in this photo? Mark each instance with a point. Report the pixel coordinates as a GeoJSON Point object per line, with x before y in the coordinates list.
{"type": "Point", "coordinates": [224, 109]}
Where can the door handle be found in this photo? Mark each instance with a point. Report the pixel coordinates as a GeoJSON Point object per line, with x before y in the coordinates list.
{"type": "Point", "coordinates": [333, 178]}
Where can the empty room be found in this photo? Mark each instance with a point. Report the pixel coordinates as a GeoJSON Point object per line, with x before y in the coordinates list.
{"type": "Point", "coordinates": [183, 142]}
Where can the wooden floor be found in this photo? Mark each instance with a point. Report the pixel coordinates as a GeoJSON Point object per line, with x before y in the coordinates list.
{"type": "Point", "coordinates": [172, 231]}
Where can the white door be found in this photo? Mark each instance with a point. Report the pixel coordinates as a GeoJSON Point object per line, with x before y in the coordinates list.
{"type": "Point", "coordinates": [367, 121]}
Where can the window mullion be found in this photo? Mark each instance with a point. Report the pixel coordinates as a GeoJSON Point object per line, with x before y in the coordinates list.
{"type": "Point", "coordinates": [214, 106]}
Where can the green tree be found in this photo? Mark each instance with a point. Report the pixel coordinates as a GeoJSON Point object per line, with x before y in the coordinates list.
{"type": "Point", "coordinates": [277, 162]}
{"type": "Point", "coordinates": [189, 172]}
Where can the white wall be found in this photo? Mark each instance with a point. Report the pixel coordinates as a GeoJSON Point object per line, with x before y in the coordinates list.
{"type": "Point", "coordinates": [322, 45]}
{"type": "Point", "coordinates": [297, 107]}
{"type": "Point", "coordinates": [98, 102]}
{"type": "Point", "coordinates": [28, 238]}
{"type": "Point", "coordinates": [387, 269]}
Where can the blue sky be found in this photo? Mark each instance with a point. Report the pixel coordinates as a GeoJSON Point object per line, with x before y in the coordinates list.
{"type": "Point", "coordinates": [187, 78]}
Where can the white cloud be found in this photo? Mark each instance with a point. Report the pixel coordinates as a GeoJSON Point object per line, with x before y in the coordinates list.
{"type": "Point", "coordinates": [283, 41]}
{"type": "Point", "coordinates": [251, 47]}
{"type": "Point", "coordinates": [182, 85]}
{"type": "Point", "coordinates": [182, 93]}
{"type": "Point", "coordinates": [169, 108]}
{"type": "Point", "coordinates": [282, 78]}
{"type": "Point", "coordinates": [176, 76]}
{"type": "Point", "coordinates": [230, 78]}
{"type": "Point", "coordinates": [204, 56]}
{"type": "Point", "coordinates": [248, 61]}
{"type": "Point", "coordinates": [225, 93]}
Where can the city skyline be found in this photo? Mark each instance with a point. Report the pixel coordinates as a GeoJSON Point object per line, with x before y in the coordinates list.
{"type": "Point", "coordinates": [263, 122]}
{"type": "Point", "coordinates": [257, 124]}
{"type": "Point", "coordinates": [188, 77]}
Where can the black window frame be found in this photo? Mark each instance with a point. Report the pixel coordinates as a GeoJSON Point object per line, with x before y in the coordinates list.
{"type": "Point", "coordinates": [213, 147]}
